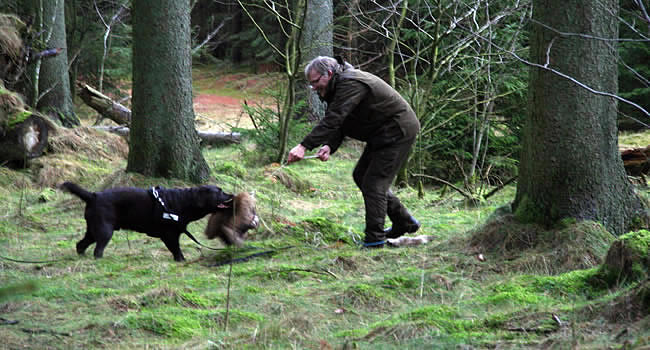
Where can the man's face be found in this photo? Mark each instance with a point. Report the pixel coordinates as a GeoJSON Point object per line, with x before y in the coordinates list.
{"type": "Point", "coordinates": [318, 82]}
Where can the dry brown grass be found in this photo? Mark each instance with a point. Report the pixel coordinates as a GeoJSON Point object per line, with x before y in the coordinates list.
{"type": "Point", "coordinates": [10, 42]}
{"type": "Point", "coordinates": [64, 164]}
{"type": "Point", "coordinates": [531, 248]}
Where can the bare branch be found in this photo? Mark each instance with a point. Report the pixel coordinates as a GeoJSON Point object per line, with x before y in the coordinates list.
{"type": "Point", "coordinates": [210, 36]}
{"type": "Point", "coordinates": [644, 12]}
{"type": "Point", "coordinates": [587, 36]}
{"type": "Point", "coordinates": [261, 31]}
{"type": "Point", "coordinates": [565, 76]}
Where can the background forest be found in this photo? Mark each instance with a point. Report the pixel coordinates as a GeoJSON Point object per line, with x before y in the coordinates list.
{"type": "Point", "coordinates": [518, 259]}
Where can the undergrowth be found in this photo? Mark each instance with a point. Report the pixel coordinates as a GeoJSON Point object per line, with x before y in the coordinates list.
{"type": "Point", "coordinates": [474, 286]}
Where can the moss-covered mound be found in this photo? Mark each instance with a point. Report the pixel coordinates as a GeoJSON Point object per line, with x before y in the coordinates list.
{"type": "Point", "coordinates": [533, 249]}
{"type": "Point", "coordinates": [627, 259]}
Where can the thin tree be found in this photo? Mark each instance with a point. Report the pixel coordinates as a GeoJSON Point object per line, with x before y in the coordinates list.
{"type": "Point", "coordinates": [569, 165]}
{"type": "Point", "coordinates": [163, 139]}
{"type": "Point", "coordinates": [290, 19]}
{"type": "Point", "coordinates": [316, 41]}
{"type": "Point", "coordinates": [48, 87]}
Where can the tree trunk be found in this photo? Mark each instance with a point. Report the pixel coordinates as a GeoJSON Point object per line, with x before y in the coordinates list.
{"type": "Point", "coordinates": [316, 41]}
{"type": "Point", "coordinates": [569, 164]}
{"type": "Point", "coordinates": [50, 91]}
{"type": "Point", "coordinates": [163, 139]}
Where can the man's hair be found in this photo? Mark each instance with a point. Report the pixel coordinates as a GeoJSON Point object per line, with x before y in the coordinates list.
{"type": "Point", "coordinates": [323, 64]}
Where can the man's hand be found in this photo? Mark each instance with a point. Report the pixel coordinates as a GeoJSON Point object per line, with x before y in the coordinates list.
{"type": "Point", "coordinates": [324, 153]}
{"type": "Point", "coordinates": [297, 153]}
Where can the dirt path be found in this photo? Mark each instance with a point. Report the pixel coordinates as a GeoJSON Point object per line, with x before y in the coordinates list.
{"type": "Point", "coordinates": [219, 97]}
{"type": "Point", "coordinates": [219, 113]}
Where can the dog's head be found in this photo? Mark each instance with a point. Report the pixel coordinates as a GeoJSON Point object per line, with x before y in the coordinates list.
{"type": "Point", "coordinates": [231, 225]}
{"type": "Point", "coordinates": [213, 198]}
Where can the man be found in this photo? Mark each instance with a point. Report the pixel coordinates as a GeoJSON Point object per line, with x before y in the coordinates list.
{"type": "Point", "coordinates": [362, 106]}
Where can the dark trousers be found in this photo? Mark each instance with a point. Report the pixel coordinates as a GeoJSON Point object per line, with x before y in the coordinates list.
{"type": "Point", "coordinates": [374, 173]}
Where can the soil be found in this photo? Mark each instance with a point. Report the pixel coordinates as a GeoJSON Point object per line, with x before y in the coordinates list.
{"type": "Point", "coordinates": [215, 111]}
{"type": "Point", "coordinates": [219, 113]}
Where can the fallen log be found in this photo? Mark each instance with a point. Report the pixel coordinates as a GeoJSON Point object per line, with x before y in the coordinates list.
{"type": "Point", "coordinates": [636, 161]}
{"type": "Point", "coordinates": [104, 105]}
{"type": "Point", "coordinates": [122, 115]}
{"type": "Point", "coordinates": [207, 138]}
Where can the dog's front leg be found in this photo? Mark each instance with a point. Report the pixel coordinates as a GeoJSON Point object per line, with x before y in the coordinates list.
{"type": "Point", "coordinates": [171, 241]}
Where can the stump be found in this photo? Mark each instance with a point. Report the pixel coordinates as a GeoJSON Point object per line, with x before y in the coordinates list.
{"type": "Point", "coordinates": [24, 140]}
{"type": "Point", "coordinates": [627, 259]}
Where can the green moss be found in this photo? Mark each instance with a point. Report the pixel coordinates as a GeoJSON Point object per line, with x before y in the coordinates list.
{"type": "Point", "coordinates": [442, 317]}
{"type": "Point", "coordinates": [47, 195]}
{"type": "Point", "coordinates": [528, 212]}
{"type": "Point", "coordinates": [511, 293]}
{"type": "Point", "coordinates": [638, 240]}
{"type": "Point", "coordinates": [195, 300]}
{"type": "Point", "coordinates": [18, 118]}
{"type": "Point", "coordinates": [322, 230]}
{"type": "Point", "coordinates": [401, 281]}
{"type": "Point", "coordinates": [364, 291]}
{"type": "Point", "coordinates": [234, 169]}
{"type": "Point", "coordinates": [184, 323]}
{"type": "Point", "coordinates": [99, 292]}
{"type": "Point", "coordinates": [566, 222]}
{"type": "Point", "coordinates": [164, 323]}
{"type": "Point", "coordinates": [627, 260]}
{"type": "Point", "coordinates": [566, 284]}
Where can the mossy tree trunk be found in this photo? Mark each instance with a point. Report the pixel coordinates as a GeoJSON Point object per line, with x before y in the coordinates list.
{"type": "Point", "coordinates": [569, 165]}
{"type": "Point", "coordinates": [49, 85]}
{"type": "Point", "coordinates": [163, 139]}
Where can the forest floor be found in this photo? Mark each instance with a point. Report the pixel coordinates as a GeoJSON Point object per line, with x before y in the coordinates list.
{"type": "Point", "coordinates": [480, 284]}
{"type": "Point", "coordinates": [219, 97]}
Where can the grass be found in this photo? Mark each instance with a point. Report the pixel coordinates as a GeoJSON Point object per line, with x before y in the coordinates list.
{"type": "Point", "coordinates": [323, 293]}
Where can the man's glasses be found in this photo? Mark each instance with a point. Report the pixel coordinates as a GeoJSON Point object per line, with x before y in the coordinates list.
{"type": "Point", "coordinates": [313, 82]}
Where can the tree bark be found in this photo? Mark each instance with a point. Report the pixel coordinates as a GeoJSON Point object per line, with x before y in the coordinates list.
{"type": "Point", "coordinates": [570, 166]}
{"type": "Point", "coordinates": [316, 40]}
{"type": "Point", "coordinates": [163, 139]}
{"type": "Point", "coordinates": [51, 92]}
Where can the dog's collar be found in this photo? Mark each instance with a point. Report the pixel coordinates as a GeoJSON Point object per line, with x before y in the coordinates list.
{"type": "Point", "coordinates": [166, 215]}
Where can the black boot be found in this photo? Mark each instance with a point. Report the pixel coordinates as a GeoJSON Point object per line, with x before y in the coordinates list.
{"type": "Point", "coordinates": [410, 225]}
{"type": "Point", "coordinates": [374, 239]}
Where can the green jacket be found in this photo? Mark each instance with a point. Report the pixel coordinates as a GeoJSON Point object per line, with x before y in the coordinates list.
{"type": "Point", "coordinates": [361, 105]}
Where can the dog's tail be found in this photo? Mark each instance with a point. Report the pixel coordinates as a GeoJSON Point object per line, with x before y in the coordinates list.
{"type": "Point", "coordinates": [77, 191]}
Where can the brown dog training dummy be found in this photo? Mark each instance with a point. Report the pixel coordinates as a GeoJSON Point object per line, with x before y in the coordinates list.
{"type": "Point", "coordinates": [231, 225]}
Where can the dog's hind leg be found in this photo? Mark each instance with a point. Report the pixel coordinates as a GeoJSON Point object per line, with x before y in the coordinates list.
{"type": "Point", "coordinates": [84, 243]}
{"type": "Point", "coordinates": [171, 242]}
{"type": "Point", "coordinates": [103, 235]}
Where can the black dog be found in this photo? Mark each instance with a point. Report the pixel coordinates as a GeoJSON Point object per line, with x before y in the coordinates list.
{"type": "Point", "coordinates": [162, 213]}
